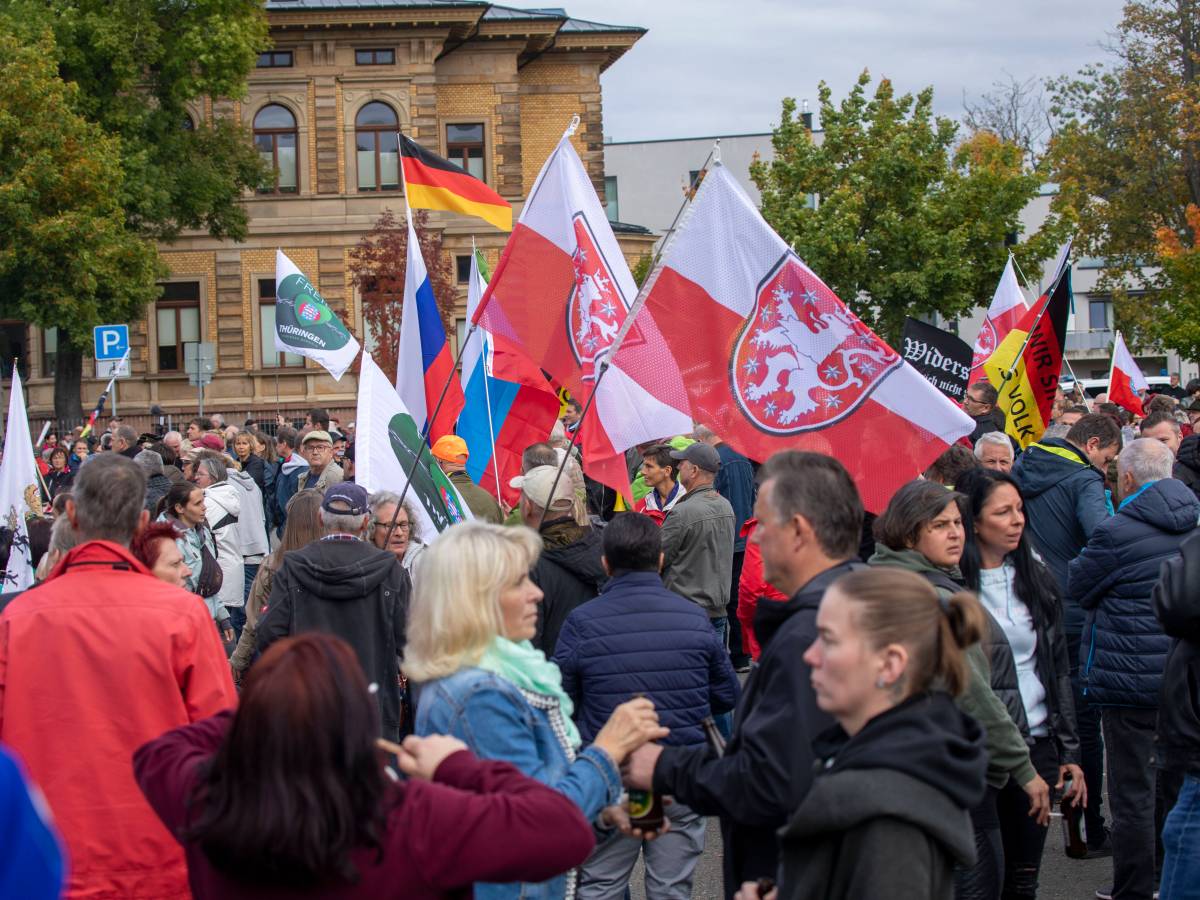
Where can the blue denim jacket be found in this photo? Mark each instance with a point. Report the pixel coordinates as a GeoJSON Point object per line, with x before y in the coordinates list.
{"type": "Point", "coordinates": [494, 719]}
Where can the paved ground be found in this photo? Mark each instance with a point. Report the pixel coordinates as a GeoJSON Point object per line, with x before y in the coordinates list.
{"type": "Point", "coordinates": [1062, 878]}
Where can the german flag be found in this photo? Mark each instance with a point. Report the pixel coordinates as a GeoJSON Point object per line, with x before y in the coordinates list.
{"type": "Point", "coordinates": [1025, 368]}
{"type": "Point", "coordinates": [436, 183]}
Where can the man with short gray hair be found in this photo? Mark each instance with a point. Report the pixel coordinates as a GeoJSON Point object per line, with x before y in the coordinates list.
{"type": "Point", "coordinates": [1124, 650]}
{"type": "Point", "coordinates": [124, 441]}
{"type": "Point", "coordinates": [994, 451]}
{"type": "Point", "coordinates": [95, 661]}
{"type": "Point", "coordinates": [345, 586]}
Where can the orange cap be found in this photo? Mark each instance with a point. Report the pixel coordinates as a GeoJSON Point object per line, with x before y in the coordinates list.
{"type": "Point", "coordinates": [450, 448]}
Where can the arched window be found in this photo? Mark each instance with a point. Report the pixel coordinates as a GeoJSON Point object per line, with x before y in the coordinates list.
{"type": "Point", "coordinates": [187, 124]}
{"type": "Point", "coordinates": [276, 139]}
{"type": "Point", "coordinates": [376, 137]}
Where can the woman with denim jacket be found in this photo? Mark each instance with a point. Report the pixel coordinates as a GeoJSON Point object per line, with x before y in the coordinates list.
{"type": "Point", "coordinates": [473, 612]}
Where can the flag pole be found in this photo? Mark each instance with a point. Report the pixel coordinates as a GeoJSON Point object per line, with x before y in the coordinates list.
{"type": "Point", "coordinates": [1066, 273]}
{"type": "Point", "coordinates": [487, 392]}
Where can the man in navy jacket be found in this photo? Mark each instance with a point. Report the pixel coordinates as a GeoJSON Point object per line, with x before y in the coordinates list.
{"type": "Point", "coordinates": [638, 638]}
{"type": "Point", "coordinates": [1124, 648]}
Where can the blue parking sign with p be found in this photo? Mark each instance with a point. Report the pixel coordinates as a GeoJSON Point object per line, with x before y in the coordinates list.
{"type": "Point", "coordinates": [112, 341]}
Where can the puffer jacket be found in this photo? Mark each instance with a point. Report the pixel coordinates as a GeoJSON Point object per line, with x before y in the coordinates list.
{"type": "Point", "coordinates": [697, 543]}
{"type": "Point", "coordinates": [569, 572]}
{"type": "Point", "coordinates": [637, 638]}
{"type": "Point", "coordinates": [1177, 606]}
{"type": "Point", "coordinates": [1124, 650]}
{"type": "Point", "coordinates": [222, 508]}
{"type": "Point", "coordinates": [1064, 502]}
{"type": "Point", "coordinates": [1187, 463]}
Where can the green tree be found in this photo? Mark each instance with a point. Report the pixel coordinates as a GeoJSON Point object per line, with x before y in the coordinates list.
{"type": "Point", "coordinates": [67, 257]}
{"type": "Point", "coordinates": [1126, 157]}
{"type": "Point", "coordinates": [907, 220]}
{"type": "Point", "coordinates": [133, 67]}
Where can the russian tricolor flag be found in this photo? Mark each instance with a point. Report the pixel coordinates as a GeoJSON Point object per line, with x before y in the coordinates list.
{"type": "Point", "coordinates": [425, 362]}
{"type": "Point", "coordinates": [501, 418]}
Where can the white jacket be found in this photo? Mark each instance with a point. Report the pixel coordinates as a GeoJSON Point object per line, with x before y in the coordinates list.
{"type": "Point", "coordinates": [222, 509]}
{"type": "Point", "coordinates": [252, 523]}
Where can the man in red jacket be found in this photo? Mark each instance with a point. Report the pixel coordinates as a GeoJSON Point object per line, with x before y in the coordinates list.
{"type": "Point", "coordinates": [96, 661]}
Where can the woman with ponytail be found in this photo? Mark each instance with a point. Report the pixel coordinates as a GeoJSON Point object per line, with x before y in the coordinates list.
{"type": "Point", "coordinates": [1021, 595]}
{"type": "Point", "coordinates": [887, 815]}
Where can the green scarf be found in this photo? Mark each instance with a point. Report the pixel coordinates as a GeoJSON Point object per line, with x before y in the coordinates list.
{"type": "Point", "coordinates": [529, 670]}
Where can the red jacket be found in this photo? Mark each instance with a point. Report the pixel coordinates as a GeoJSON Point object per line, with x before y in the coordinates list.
{"type": "Point", "coordinates": [477, 821]}
{"type": "Point", "coordinates": [94, 662]}
{"type": "Point", "coordinates": [751, 587]}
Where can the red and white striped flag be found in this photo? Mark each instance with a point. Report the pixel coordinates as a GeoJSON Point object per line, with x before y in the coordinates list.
{"type": "Point", "coordinates": [771, 359]}
{"type": "Point", "coordinates": [1126, 379]}
{"type": "Point", "coordinates": [1008, 305]}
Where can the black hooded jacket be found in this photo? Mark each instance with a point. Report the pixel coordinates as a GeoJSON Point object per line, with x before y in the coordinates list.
{"type": "Point", "coordinates": [767, 766]}
{"type": "Point", "coordinates": [355, 591]}
{"type": "Point", "coordinates": [569, 572]}
{"type": "Point", "coordinates": [1177, 606]}
{"type": "Point", "coordinates": [1187, 463]}
{"type": "Point", "coordinates": [887, 815]}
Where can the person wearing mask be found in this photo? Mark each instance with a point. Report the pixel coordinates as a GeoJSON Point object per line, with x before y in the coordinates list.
{"type": "Point", "coordinates": [306, 726]}
{"type": "Point", "coordinates": [473, 614]}
{"type": "Point", "coordinates": [999, 564]}
{"type": "Point", "coordinates": [887, 813]}
{"type": "Point", "coordinates": [809, 526]}
{"type": "Point", "coordinates": [184, 509]}
{"type": "Point", "coordinates": [94, 662]}
{"type": "Point", "coordinates": [1177, 608]}
{"type": "Point", "coordinates": [568, 571]}
{"type": "Point", "coordinates": [287, 474]}
{"type": "Point", "coordinates": [1125, 649]}
{"type": "Point", "coordinates": [660, 473]}
{"type": "Point", "coordinates": [921, 531]}
{"type": "Point", "coordinates": [342, 585]}
{"type": "Point", "coordinates": [156, 549]}
{"type": "Point", "coordinates": [303, 527]}
{"type": "Point", "coordinates": [994, 450]}
{"type": "Point", "coordinates": [451, 454]}
{"type": "Point", "coordinates": [60, 476]}
{"type": "Point", "coordinates": [403, 540]}
{"type": "Point", "coordinates": [639, 639]}
{"type": "Point", "coordinates": [1062, 484]}
{"type": "Point", "coordinates": [80, 451]}
{"type": "Point", "coordinates": [222, 510]}
{"type": "Point", "coordinates": [322, 471]}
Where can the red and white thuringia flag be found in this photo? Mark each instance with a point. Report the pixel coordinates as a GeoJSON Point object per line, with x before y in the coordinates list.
{"type": "Point", "coordinates": [1008, 305]}
{"type": "Point", "coordinates": [771, 359]}
{"type": "Point", "coordinates": [560, 294]}
{"type": "Point", "coordinates": [1126, 379]}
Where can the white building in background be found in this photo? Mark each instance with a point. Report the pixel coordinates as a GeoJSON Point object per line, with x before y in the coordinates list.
{"type": "Point", "coordinates": [645, 183]}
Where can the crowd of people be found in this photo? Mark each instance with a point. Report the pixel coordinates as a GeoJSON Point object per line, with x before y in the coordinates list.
{"type": "Point", "coordinates": [241, 674]}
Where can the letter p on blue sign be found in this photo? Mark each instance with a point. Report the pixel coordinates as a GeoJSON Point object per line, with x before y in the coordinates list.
{"type": "Point", "coordinates": [112, 341]}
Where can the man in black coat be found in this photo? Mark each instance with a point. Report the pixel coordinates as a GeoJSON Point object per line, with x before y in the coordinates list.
{"type": "Point", "coordinates": [809, 523]}
{"type": "Point", "coordinates": [343, 585]}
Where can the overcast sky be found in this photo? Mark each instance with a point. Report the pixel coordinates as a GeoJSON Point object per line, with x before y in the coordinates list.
{"type": "Point", "coordinates": [710, 68]}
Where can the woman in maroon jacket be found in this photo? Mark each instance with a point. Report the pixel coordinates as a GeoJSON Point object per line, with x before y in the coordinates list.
{"type": "Point", "coordinates": [288, 797]}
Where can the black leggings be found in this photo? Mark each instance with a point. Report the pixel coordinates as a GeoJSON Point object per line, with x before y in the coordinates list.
{"type": "Point", "coordinates": [1023, 838]}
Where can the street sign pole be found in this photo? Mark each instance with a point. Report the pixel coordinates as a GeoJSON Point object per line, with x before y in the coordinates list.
{"type": "Point", "coordinates": [199, 361]}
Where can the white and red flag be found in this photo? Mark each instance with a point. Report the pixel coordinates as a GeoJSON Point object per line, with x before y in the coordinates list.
{"type": "Point", "coordinates": [771, 359]}
{"type": "Point", "coordinates": [1008, 305]}
{"type": "Point", "coordinates": [1126, 379]}
{"type": "Point", "coordinates": [559, 296]}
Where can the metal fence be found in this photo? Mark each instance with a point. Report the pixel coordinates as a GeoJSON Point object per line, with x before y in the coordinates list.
{"type": "Point", "coordinates": [144, 423]}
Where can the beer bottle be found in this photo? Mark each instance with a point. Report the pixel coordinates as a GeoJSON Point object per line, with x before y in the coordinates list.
{"type": "Point", "coordinates": [713, 735]}
{"type": "Point", "coordinates": [1074, 836]}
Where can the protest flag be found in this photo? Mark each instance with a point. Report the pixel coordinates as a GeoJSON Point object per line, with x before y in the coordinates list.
{"type": "Point", "coordinates": [560, 294]}
{"type": "Point", "coordinates": [942, 358]}
{"type": "Point", "coordinates": [425, 365]}
{"type": "Point", "coordinates": [99, 410]}
{"type": "Point", "coordinates": [19, 494]}
{"type": "Point", "coordinates": [1125, 379]}
{"type": "Point", "coordinates": [1026, 366]}
{"type": "Point", "coordinates": [500, 418]}
{"type": "Point", "coordinates": [388, 442]}
{"type": "Point", "coordinates": [773, 360]}
{"type": "Point", "coordinates": [305, 324]}
{"type": "Point", "coordinates": [432, 182]}
{"type": "Point", "coordinates": [1008, 305]}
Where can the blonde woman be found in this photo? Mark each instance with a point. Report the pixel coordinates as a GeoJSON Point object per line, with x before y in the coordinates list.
{"type": "Point", "coordinates": [473, 612]}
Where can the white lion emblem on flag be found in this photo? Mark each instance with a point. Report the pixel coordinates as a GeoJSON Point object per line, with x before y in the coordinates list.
{"type": "Point", "coordinates": [597, 307]}
{"type": "Point", "coordinates": [803, 360]}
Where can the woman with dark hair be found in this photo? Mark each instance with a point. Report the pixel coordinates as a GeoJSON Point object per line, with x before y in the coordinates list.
{"type": "Point", "coordinates": [60, 476]}
{"type": "Point", "coordinates": [183, 508]}
{"type": "Point", "coordinates": [921, 531]}
{"type": "Point", "coordinates": [1022, 597]}
{"type": "Point", "coordinates": [887, 812]}
{"type": "Point", "coordinates": [288, 795]}
{"type": "Point", "coordinates": [302, 528]}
